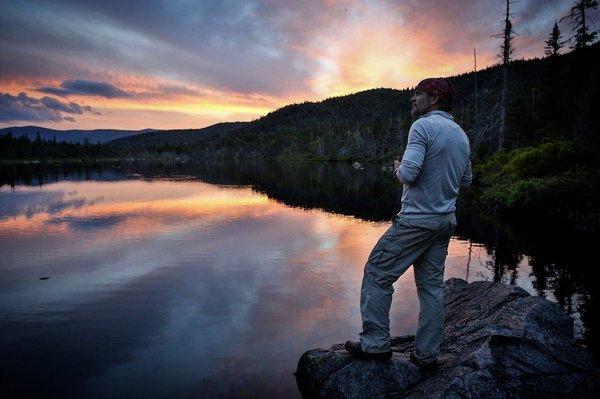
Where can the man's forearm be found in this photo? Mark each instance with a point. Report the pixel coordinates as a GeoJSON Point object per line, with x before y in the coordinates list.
{"type": "Point", "coordinates": [407, 171]}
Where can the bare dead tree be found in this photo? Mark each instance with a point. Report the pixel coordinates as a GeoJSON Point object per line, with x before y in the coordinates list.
{"type": "Point", "coordinates": [506, 51]}
{"type": "Point", "coordinates": [476, 93]}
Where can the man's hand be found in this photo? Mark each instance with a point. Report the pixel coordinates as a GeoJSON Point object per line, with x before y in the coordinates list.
{"type": "Point", "coordinates": [396, 164]}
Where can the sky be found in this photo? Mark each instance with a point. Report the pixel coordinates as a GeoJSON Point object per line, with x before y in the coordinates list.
{"type": "Point", "coordinates": [176, 64]}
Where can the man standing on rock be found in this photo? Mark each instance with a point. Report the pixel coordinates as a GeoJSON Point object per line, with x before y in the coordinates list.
{"type": "Point", "coordinates": [434, 166]}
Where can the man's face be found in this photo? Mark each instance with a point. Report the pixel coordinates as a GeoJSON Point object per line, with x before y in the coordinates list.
{"type": "Point", "coordinates": [421, 103]}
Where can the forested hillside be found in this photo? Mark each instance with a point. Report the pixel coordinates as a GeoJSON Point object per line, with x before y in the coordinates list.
{"type": "Point", "coordinates": [174, 138]}
{"type": "Point", "coordinates": [549, 98]}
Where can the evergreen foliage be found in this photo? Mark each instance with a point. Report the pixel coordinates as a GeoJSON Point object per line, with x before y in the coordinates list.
{"type": "Point", "coordinates": [554, 42]}
{"type": "Point", "coordinates": [556, 179]}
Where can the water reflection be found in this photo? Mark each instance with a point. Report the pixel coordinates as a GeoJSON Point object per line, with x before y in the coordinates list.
{"type": "Point", "coordinates": [210, 280]}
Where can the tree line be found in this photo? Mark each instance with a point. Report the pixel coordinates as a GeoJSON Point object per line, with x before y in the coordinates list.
{"type": "Point", "coordinates": [40, 149]}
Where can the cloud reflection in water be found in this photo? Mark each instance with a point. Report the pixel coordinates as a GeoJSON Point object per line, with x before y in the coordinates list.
{"type": "Point", "coordinates": [200, 289]}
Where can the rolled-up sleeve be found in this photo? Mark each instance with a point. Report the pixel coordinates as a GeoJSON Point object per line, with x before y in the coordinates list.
{"type": "Point", "coordinates": [412, 161]}
{"type": "Point", "coordinates": [467, 177]}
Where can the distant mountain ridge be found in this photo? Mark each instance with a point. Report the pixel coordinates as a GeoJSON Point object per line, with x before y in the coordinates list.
{"type": "Point", "coordinates": [179, 137]}
{"type": "Point", "coordinates": [72, 136]}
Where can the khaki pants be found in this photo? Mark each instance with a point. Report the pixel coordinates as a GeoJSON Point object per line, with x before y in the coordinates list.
{"type": "Point", "coordinates": [422, 242]}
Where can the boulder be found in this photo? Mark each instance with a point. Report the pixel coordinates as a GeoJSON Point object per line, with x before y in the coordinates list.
{"type": "Point", "coordinates": [499, 342]}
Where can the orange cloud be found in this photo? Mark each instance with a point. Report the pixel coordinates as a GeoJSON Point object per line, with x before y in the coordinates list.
{"type": "Point", "coordinates": [376, 46]}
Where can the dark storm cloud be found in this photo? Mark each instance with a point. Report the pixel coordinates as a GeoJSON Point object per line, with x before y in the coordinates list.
{"type": "Point", "coordinates": [53, 103]}
{"type": "Point", "coordinates": [85, 87]}
{"type": "Point", "coordinates": [25, 108]}
{"type": "Point", "coordinates": [94, 88]}
{"type": "Point", "coordinates": [54, 90]}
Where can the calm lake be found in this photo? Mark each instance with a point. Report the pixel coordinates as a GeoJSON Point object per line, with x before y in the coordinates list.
{"type": "Point", "coordinates": [210, 280]}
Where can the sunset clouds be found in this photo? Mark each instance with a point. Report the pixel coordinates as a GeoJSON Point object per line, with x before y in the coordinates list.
{"type": "Point", "coordinates": [47, 109]}
{"type": "Point", "coordinates": [190, 64]}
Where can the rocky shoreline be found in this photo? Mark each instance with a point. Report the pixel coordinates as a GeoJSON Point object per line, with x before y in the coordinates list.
{"type": "Point", "coordinates": [499, 342]}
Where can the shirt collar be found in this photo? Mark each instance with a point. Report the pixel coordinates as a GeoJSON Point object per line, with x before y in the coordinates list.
{"type": "Point", "coordinates": [440, 113]}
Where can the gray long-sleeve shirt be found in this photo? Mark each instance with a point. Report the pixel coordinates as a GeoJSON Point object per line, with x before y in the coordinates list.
{"type": "Point", "coordinates": [435, 165]}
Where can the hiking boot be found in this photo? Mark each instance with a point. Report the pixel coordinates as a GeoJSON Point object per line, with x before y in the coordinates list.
{"type": "Point", "coordinates": [354, 349]}
{"type": "Point", "coordinates": [426, 367]}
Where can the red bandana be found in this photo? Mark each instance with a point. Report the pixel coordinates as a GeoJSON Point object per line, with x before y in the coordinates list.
{"type": "Point", "coordinates": [440, 87]}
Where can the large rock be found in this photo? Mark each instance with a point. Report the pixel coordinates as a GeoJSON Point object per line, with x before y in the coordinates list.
{"type": "Point", "coordinates": [499, 342]}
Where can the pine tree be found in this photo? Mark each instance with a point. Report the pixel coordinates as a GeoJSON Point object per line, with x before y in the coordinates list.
{"type": "Point", "coordinates": [554, 42]}
{"type": "Point", "coordinates": [578, 19]}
